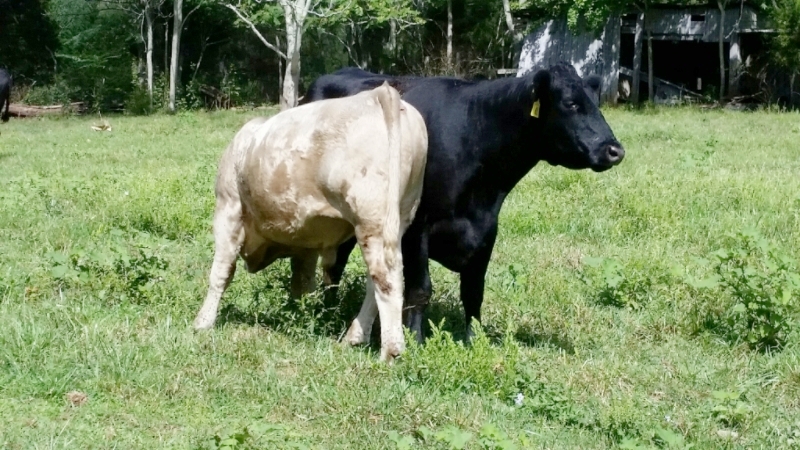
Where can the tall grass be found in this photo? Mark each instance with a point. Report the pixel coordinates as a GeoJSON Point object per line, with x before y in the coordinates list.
{"type": "Point", "coordinates": [599, 331]}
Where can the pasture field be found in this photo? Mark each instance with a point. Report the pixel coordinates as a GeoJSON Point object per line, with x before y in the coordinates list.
{"type": "Point", "coordinates": [602, 328]}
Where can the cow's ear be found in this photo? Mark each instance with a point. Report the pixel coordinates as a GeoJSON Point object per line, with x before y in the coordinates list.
{"type": "Point", "coordinates": [594, 83]}
{"type": "Point", "coordinates": [541, 83]}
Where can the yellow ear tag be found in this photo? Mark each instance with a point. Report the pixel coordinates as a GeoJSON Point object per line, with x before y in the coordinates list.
{"type": "Point", "coordinates": [535, 109]}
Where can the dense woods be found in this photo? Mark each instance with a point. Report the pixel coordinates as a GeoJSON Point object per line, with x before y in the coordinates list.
{"type": "Point", "coordinates": [147, 55]}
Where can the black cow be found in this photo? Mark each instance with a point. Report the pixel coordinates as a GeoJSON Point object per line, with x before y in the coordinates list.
{"type": "Point", "coordinates": [5, 93]}
{"type": "Point", "coordinates": [349, 81]}
{"type": "Point", "coordinates": [483, 137]}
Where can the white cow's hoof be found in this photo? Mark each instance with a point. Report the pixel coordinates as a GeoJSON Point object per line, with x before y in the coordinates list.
{"type": "Point", "coordinates": [203, 324]}
{"type": "Point", "coordinates": [356, 335]}
{"type": "Point", "coordinates": [391, 352]}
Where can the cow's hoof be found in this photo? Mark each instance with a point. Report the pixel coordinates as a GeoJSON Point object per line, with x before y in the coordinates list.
{"type": "Point", "coordinates": [356, 335]}
{"type": "Point", "coordinates": [391, 352]}
{"type": "Point", "coordinates": [202, 324]}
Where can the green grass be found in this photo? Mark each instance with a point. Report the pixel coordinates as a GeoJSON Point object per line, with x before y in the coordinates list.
{"type": "Point", "coordinates": [106, 245]}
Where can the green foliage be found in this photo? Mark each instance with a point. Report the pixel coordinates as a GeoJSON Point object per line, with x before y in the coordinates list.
{"type": "Point", "coordinates": [28, 40]}
{"type": "Point", "coordinates": [451, 366]}
{"type": "Point", "coordinates": [373, 13]}
{"type": "Point", "coordinates": [489, 437]}
{"type": "Point", "coordinates": [615, 284]}
{"type": "Point", "coordinates": [786, 43]}
{"type": "Point", "coordinates": [57, 93]}
{"type": "Point", "coordinates": [117, 268]}
{"type": "Point", "coordinates": [257, 435]}
{"type": "Point", "coordinates": [729, 408]}
{"type": "Point", "coordinates": [93, 60]}
{"type": "Point", "coordinates": [658, 438]}
{"type": "Point", "coordinates": [580, 14]}
{"type": "Point", "coordinates": [138, 101]}
{"type": "Point", "coordinates": [753, 291]}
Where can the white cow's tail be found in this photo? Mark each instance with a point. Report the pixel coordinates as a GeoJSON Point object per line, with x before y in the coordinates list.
{"type": "Point", "coordinates": [389, 99]}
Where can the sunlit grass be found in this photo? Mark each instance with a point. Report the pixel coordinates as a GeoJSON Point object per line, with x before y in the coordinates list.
{"type": "Point", "coordinates": [593, 373]}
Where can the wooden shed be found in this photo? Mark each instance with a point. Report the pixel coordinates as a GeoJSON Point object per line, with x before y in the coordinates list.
{"type": "Point", "coordinates": [683, 41]}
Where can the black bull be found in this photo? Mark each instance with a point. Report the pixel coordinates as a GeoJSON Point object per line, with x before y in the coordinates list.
{"type": "Point", "coordinates": [483, 137]}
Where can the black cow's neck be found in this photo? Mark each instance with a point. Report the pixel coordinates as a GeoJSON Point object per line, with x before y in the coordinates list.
{"type": "Point", "coordinates": [512, 148]}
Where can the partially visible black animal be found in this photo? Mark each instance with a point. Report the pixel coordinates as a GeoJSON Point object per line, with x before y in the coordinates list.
{"type": "Point", "coordinates": [5, 93]}
{"type": "Point", "coordinates": [483, 137]}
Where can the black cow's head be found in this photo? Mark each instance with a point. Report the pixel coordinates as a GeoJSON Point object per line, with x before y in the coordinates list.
{"type": "Point", "coordinates": [575, 133]}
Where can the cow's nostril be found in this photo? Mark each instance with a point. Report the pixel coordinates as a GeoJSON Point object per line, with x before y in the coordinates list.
{"type": "Point", "coordinates": [615, 153]}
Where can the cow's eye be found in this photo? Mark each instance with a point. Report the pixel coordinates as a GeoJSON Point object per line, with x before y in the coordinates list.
{"type": "Point", "coordinates": [572, 106]}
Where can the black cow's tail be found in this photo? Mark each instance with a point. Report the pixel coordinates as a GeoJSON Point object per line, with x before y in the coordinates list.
{"type": "Point", "coordinates": [389, 99]}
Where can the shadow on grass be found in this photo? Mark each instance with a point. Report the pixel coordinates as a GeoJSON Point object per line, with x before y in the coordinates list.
{"type": "Point", "coordinates": [4, 155]}
{"type": "Point", "coordinates": [326, 312]}
{"type": "Point", "coordinates": [531, 338]}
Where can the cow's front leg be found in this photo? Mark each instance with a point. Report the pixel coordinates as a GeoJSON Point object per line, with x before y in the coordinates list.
{"type": "Point", "coordinates": [304, 272]}
{"type": "Point", "coordinates": [472, 282]}
{"type": "Point", "coordinates": [333, 262]}
{"type": "Point", "coordinates": [417, 279]}
{"type": "Point", "coordinates": [361, 327]}
{"type": "Point", "coordinates": [228, 239]}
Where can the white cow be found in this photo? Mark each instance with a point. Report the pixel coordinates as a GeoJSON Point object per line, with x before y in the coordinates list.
{"type": "Point", "coordinates": [302, 182]}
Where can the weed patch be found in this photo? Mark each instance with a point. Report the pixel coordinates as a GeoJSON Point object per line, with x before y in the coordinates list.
{"type": "Point", "coordinates": [752, 293]}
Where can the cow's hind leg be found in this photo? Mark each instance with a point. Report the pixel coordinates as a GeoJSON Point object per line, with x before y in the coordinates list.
{"type": "Point", "coordinates": [228, 239]}
{"type": "Point", "coordinates": [385, 266]}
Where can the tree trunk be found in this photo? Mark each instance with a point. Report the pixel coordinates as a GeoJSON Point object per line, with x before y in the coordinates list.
{"type": "Point", "coordinates": [280, 71]}
{"type": "Point", "coordinates": [177, 27]}
{"type": "Point", "coordinates": [734, 65]}
{"type": "Point", "coordinates": [721, 5]}
{"type": "Point", "coordinates": [510, 21]}
{"type": "Point", "coordinates": [148, 14]}
{"type": "Point", "coordinates": [449, 34]}
{"type": "Point", "coordinates": [295, 12]}
{"type": "Point", "coordinates": [391, 46]}
{"type": "Point", "coordinates": [166, 45]}
{"type": "Point", "coordinates": [637, 57]}
{"type": "Point", "coordinates": [650, 86]}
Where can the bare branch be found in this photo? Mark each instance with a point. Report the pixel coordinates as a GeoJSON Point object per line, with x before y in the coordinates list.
{"type": "Point", "coordinates": [347, 47]}
{"type": "Point", "coordinates": [255, 30]}
{"type": "Point", "coordinates": [186, 17]}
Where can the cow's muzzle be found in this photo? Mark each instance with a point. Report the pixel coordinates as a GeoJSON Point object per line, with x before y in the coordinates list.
{"type": "Point", "coordinates": [610, 155]}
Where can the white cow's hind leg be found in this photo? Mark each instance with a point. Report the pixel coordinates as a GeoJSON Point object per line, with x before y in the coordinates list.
{"type": "Point", "coordinates": [228, 239]}
{"type": "Point", "coordinates": [385, 266]}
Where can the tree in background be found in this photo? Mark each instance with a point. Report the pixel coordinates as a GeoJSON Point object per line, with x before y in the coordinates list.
{"type": "Point", "coordinates": [151, 10]}
{"type": "Point", "coordinates": [786, 45]}
{"type": "Point", "coordinates": [29, 40]}
{"type": "Point", "coordinates": [325, 15]}
{"type": "Point", "coordinates": [94, 63]}
{"type": "Point", "coordinates": [141, 54]}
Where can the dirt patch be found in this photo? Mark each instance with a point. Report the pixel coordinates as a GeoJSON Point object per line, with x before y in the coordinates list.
{"type": "Point", "coordinates": [76, 398]}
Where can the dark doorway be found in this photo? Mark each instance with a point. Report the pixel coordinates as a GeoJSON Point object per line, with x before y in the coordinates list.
{"type": "Point", "coordinates": [679, 62]}
{"type": "Point", "coordinates": [684, 62]}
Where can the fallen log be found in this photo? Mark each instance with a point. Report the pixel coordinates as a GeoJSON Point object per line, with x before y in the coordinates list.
{"type": "Point", "coordinates": [20, 110]}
